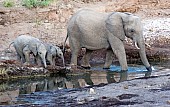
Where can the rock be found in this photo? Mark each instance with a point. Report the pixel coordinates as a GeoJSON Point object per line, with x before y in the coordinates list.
{"type": "Point", "coordinates": [168, 101]}
{"type": "Point", "coordinates": [92, 91]}
{"type": "Point", "coordinates": [62, 20]}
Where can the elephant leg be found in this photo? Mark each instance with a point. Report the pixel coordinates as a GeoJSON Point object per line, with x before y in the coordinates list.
{"type": "Point", "coordinates": [109, 58]}
{"type": "Point", "coordinates": [19, 54]}
{"type": "Point", "coordinates": [26, 53]}
{"type": "Point", "coordinates": [75, 48]}
{"type": "Point", "coordinates": [53, 59]}
{"type": "Point", "coordinates": [119, 50]}
{"type": "Point", "coordinates": [49, 58]}
{"type": "Point", "coordinates": [38, 60]}
{"type": "Point", "coordinates": [86, 58]}
{"type": "Point", "coordinates": [21, 57]}
{"type": "Point", "coordinates": [35, 60]}
{"type": "Point", "coordinates": [74, 55]}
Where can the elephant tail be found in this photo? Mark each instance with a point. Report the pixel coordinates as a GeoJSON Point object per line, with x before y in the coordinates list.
{"type": "Point", "coordinates": [10, 45]}
{"type": "Point", "coordinates": [65, 44]}
{"type": "Point", "coordinates": [7, 50]}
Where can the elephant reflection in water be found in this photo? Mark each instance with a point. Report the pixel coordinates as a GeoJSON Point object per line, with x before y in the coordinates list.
{"type": "Point", "coordinates": [88, 79]}
{"type": "Point", "coordinates": [95, 79]}
{"type": "Point", "coordinates": [106, 77]}
{"type": "Point", "coordinates": [55, 83]}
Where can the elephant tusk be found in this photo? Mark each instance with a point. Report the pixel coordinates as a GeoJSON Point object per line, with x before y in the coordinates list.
{"type": "Point", "coordinates": [147, 45]}
{"type": "Point", "coordinates": [136, 46]}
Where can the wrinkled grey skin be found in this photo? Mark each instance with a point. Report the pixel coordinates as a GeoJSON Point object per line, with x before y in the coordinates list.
{"type": "Point", "coordinates": [25, 44]}
{"type": "Point", "coordinates": [92, 30]}
{"type": "Point", "coordinates": [52, 52]}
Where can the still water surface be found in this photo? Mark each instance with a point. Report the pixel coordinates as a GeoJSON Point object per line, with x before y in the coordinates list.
{"type": "Point", "coordinates": [11, 89]}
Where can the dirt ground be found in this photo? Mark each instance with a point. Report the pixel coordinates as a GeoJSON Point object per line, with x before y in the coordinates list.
{"type": "Point", "coordinates": [49, 23]}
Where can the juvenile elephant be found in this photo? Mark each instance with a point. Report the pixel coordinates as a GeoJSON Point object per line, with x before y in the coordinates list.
{"type": "Point", "coordinates": [25, 44]}
{"type": "Point", "coordinates": [52, 53]}
{"type": "Point", "coordinates": [93, 30]}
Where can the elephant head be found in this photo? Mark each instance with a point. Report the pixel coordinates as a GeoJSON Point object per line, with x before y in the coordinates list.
{"type": "Point", "coordinates": [38, 49]}
{"type": "Point", "coordinates": [53, 52]}
{"type": "Point", "coordinates": [59, 53]}
{"type": "Point", "coordinates": [129, 25]}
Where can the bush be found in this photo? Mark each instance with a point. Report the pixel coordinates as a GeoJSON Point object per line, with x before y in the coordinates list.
{"type": "Point", "coordinates": [30, 3]}
{"type": "Point", "coordinates": [8, 3]}
{"type": "Point", "coordinates": [44, 3]}
{"type": "Point", "coordinates": [36, 3]}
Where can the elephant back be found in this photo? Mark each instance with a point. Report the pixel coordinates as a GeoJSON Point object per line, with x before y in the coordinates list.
{"type": "Point", "coordinates": [34, 44]}
{"type": "Point", "coordinates": [21, 41]}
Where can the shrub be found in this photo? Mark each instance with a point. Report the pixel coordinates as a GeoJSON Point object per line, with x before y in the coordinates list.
{"type": "Point", "coordinates": [8, 3]}
{"type": "Point", "coordinates": [36, 3]}
{"type": "Point", "coordinates": [30, 3]}
{"type": "Point", "coordinates": [44, 3]}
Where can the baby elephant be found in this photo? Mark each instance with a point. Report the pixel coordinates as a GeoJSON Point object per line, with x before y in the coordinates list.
{"type": "Point", "coordinates": [25, 45]}
{"type": "Point", "coordinates": [52, 52]}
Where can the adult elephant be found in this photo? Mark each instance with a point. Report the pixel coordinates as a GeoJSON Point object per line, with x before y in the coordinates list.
{"type": "Point", "coordinates": [25, 44]}
{"type": "Point", "coordinates": [92, 30]}
{"type": "Point", "coordinates": [52, 53]}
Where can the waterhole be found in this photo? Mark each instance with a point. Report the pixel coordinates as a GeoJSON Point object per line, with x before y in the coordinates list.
{"type": "Point", "coordinates": [10, 90]}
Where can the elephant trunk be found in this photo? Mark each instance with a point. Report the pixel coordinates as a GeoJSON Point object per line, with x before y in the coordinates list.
{"type": "Point", "coordinates": [141, 46]}
{"type": "Point", "coordinates": [44, 62]}
{"type": "Point", "coordinates": [63, 61]}
{"type": "Point", "coordinates": [45, 65]}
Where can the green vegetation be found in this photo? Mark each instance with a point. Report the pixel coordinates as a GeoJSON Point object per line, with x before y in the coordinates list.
{"type": "Point", "coordinates": [36, 3]}
{"type": "Point", "coordinates": [8, 3]}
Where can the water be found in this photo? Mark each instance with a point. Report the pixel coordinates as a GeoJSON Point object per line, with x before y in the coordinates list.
{"type": "Point", "coordinates": [11, 89]}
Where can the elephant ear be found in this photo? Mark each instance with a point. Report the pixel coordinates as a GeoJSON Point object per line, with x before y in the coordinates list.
{"type": "Point", "coordinates": [59, 52]}
{"type": "Point", "coordinates": [114, 23]}
{"type": "Point", "coordinates": [33, 48]}
{"type": "Point", "coordinates": [53, 50]}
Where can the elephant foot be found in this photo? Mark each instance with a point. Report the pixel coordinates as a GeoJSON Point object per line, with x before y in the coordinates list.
{"type": "Point", "coordinates": [51, 67]}
{"type": "Point", "coordinates": [73, 67]}
{"type": "Point", "coordinates": [122, 71]}
{"type": "Point", "coordinates": [26, 64]}
{"type": "Point", "coordinates": [106, 67]}
{"type": "Point", "coordinates": [86, 67]}
{"type": "Point", "coordinates": [150, 68]}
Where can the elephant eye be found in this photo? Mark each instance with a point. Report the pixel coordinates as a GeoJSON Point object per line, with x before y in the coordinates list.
{"type": "Point", "coordinates": [40, 53]}
{"type": "Point", "coordinates": [131, 30]}
{"type": "Point", "coordinates": [59, 54]}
